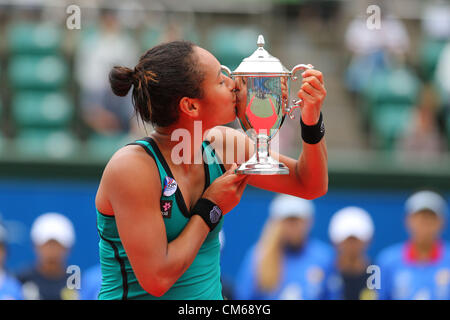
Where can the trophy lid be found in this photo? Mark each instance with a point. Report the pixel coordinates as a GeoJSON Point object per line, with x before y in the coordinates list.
{"type": "Point", "coordinates": [261, 63]}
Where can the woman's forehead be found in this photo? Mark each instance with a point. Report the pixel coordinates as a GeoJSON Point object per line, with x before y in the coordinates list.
{"type": "Point", "coordinates": [207, 61]}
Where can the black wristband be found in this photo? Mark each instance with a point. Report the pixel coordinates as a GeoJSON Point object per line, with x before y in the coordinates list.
{"type": "Point", "coordinates": [313, 134]}
{"type": "Point", "coordinates": [209, 211]}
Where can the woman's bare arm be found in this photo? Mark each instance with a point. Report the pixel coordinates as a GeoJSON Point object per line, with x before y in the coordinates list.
{"type": "Point", "coordinates": [308, 175]}
{"type": "Point", "coordinates": [133, 187]}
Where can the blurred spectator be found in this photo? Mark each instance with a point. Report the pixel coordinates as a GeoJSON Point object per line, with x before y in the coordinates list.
{"type": "Point", "coordinates": [227, 287]}
{"type": "Point", "coordinates": [53, 236]}
{"type": "Point", "coordinates": [436, 33]}
{"type": "Point", "coordinates": [91, 283]}
{"type": "Point", "coordinates": [10, 288]}
{"type": "Point", "coordinates": [443, 75]}
{"type": "Point", "coordinates": [373, 49]}
{"type": "Point", "coordinates": [436, 19]}
{"type": "Point", "coordinates": [418, 269]}
{"type": "Point", "coordinates": [98, 52]}
{"type": "Point", "coordinates": [351, 229]}
{"type": "Point", "coordinates": [285, 264]}
{"type": "Point", "coordinates": [422, 137]}
{"type": "Point", "coordinates": [436, 23]}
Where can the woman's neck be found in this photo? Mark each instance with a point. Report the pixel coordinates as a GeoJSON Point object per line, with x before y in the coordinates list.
{"type": "Point", "coordinates": [182, 144]}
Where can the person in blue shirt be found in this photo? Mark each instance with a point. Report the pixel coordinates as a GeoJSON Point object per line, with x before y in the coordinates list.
{"type": "Point", "coordinates": [420, 267]}
{"type": "Point", "coordinates": [91, 282]}
{"type": "Point", "coordinates": [286, 264]}
{"type": "Point", "coordinates": [53, 236]}
{"type": "Point", "coordinates": [10, 288]}
{"type": "Point", "coordinates": [351, 229]}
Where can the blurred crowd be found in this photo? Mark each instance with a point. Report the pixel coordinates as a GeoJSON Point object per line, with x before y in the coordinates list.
{"type": "Point", "coordinates": [285, 263]}
{"type": "Point", "coordinates": [399, 80]}
{"type": "Point", "coordinates": [56, 100]}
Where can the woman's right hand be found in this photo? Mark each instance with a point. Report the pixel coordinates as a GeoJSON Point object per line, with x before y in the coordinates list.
{"type": "Point", "coordinates": [226, 190]}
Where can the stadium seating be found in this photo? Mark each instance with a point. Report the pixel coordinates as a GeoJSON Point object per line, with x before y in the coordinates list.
{"type": "Point", "coordinates": [1, 110]}
{"type": "Point", "coordinates": [31, 38]}
{"type": "Point", "coordinates": [150, 37]}
{"type": "Point", "coordinates": [232, 44]}
{"type": "Point", "coordinates": [38, 74]}
{"type": "Point", "coordinates": [46, 72]}
{"type": "Point", "coordinates": [35, 109]}
{"type": "Point", "coordinates": [447, 127]}
{"type": "Point", "coordinates": [390, 97]}
{"type": "Point", "coordinates": [389, 122]}
{"type": "Point", "coordinates": [429, 56]}
{"type": "Point", "coordinates": [1, 121]}
{"type": "Point", "coordinates": [47, 143]}
{"type": "Point", "coordinates": [102, 147]}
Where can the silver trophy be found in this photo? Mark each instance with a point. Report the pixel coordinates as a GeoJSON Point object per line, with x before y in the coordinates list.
{"type": "Point", "coordinates": [264, 84]}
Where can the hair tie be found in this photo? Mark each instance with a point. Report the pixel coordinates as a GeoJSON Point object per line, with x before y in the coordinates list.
{"type": "Point", "coordinates": [141, 75]}
{"type": "Point", "coordinates": [136, 78]}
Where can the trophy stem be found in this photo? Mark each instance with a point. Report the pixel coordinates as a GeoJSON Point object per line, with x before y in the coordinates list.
{"type": "Point", "coordinates": [262, 148]}
{"type": "Point", "coordinates": [261, 162]}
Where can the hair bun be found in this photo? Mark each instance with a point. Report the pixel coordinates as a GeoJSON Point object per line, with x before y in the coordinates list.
{"type": "Point", "coordinates": [121, 79]}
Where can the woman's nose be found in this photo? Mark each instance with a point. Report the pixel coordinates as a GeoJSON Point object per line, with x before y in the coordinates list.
{"type": "Point", "coordinates": [230, 83]}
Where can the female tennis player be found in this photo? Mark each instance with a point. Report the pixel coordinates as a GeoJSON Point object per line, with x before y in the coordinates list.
{"type": "Point", "coordinates": [159, 219]}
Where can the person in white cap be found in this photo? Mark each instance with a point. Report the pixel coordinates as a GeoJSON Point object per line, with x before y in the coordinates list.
{"type": "Point", "coordinates": [286, 264]}
{"type": "Point", "coordinates": [420, 267]}
{"type": "Point", "coordinates": [53, 236]}
{"type": "Point", "coordinates": [351, 230]}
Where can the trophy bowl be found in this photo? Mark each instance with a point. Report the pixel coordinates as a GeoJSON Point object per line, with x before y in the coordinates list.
{"type": "Point", "coordinates": [263, 84]}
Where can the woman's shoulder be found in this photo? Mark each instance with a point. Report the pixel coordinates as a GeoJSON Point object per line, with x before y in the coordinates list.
{"type": "Point", "coordinates": [129, 158]}
{"type": "Point", "coordinates": [130, 170]}
{"type": "Point", "coordinates": [130, 164]}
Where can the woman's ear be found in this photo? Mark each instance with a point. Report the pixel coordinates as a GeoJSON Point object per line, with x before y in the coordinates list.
{"type": "Point", "coordinates": [190, 107]}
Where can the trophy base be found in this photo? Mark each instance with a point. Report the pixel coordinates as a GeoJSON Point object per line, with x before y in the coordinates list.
{"type": "Point", "coordinates": [271, 167]}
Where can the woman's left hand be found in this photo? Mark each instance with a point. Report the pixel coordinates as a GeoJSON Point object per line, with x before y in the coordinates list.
{"type": "Point", "coordinates": [313, 93]}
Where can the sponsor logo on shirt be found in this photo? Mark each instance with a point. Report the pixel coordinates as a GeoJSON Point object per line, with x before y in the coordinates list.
{"type": "Point", "coordinates": [166, 208]}
{"type": "Point", "coordinates": [170, 186]}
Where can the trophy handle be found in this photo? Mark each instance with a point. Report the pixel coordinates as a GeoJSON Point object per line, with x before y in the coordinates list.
{"type": "Point", "coordinates": [227, 71]}
{"type": "Point", "coordinates": [298, 68]}
{"type": "Point", "coordinates": [297, 104]}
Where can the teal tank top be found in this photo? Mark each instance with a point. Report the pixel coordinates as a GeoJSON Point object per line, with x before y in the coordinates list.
{"type": "Point", "coordinates": [201, 280]}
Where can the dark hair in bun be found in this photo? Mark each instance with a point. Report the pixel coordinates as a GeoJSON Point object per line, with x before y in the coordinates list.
{"type": "Point", "coordinates": [165, 74]}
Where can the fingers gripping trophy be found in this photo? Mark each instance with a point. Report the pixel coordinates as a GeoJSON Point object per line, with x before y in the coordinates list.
{"type": "Point", "coordinates": [263, 84]}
